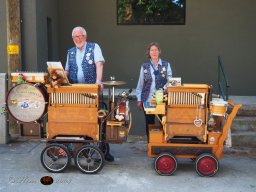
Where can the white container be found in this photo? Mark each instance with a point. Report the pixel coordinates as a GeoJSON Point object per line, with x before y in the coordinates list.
{"type": "Point", "coordinates": [218, 107]}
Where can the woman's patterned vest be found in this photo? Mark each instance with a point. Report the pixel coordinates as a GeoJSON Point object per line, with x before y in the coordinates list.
{"type": "Point", "coordinates": [160, 79]}
{"type": "Point", "coordinates": [88, 65]}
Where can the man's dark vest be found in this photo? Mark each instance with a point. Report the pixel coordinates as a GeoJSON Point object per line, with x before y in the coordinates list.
{"type": "Point", "coordinates": [88, 64]}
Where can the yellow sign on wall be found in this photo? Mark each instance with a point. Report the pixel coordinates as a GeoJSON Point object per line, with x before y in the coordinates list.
{"type": "Point", "coordinates": [13, 49]}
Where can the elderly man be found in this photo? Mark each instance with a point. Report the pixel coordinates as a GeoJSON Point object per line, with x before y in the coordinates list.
{"type": "Point", "coordinates": [85, 60]}
{"type": "Point", "coordinates": [85, 63]}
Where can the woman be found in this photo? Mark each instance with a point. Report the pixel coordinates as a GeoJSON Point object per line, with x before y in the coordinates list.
{"type": "Point", "coordinates": [153, 76]}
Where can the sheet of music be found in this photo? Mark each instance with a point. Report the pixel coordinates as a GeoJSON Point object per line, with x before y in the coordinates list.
{"type": "Point", "coordinates": [56, 65]}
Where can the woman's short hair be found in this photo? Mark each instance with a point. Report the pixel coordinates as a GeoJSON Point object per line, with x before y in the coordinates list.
{"type": "Point", "coordinates": [150, 45]}
{"type": "Point", "coordinates": [78, 28]}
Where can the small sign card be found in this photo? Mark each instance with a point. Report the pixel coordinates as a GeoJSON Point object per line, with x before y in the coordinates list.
{"type": "Point", "coordinates": [174, 81]}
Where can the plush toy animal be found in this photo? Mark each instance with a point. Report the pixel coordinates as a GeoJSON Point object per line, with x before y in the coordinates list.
{"type": "Point", "coordinates": [54, 80]}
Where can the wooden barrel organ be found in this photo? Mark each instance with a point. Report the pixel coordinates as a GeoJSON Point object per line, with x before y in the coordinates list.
{"type": "Point", "coordinates": [192, 127]}
{"type": "Point", "coordinates": [78, 128]}
{"type": "Point", "coordinates": [72, 111]}
{"type": "Point", "coordinates": [187, 112]}
{"type": "Point", "coordinates": [75, 111]}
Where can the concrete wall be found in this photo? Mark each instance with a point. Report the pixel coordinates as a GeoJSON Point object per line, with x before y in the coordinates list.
{"type": "Point", "coordinates": [213, 27]}
{"type": "Point", "coordinates": [4, 131]}
{"type": "Point", "coordinates": [34, 15]}
{"type": "Point", "coordinates": [3, 38]}
{"type": "Point", "coordinates": [28, 35]}
{"type": "Point", "coordinates": [47, 9]}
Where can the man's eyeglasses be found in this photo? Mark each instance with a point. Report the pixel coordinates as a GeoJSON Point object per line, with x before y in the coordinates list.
{"type": "Point", "coordinates": [78, 36]}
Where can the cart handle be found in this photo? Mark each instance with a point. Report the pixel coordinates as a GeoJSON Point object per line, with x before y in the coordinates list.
{"type": "Point", "coordinates": [130, 124]}
{"type": "Point", "coordinates": [226, 128]}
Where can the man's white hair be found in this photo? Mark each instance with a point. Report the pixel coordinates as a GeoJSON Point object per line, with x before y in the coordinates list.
{"type": "Point", "coordinates": [78, 28]}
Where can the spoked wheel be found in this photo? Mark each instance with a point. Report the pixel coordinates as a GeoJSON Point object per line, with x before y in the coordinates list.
{"type": "Point", "coordinates": [89, 159]}
{"type": "Point", "coordinates": [206, 165]}
{"type": "Point", "coordinates": [165, 164]}
{"type": "Point", "coordinates": [55, 158]}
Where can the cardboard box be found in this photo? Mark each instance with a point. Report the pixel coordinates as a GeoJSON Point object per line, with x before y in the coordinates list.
{"type": "Point", "coordinates": [31, 130]}
{"type": "Point", "coordinates": [116, 132]}
{"type": "Point", "coordinates": [155, 134]}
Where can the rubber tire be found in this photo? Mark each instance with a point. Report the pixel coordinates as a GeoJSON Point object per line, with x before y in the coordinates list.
{"type": "Point", "coordinates": [94, 148]}
{"type": "Point", "coordinates": [63, 147]}
{"type": "Point", "coordinates": [167, 163]}
{"type": "Point", "coordinates": [206, 165]}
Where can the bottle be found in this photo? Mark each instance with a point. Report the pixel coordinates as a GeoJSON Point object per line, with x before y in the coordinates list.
{"type": "Point", "coordinates": [159, 96]}
{"type": "Point", "coordinates": [71, 147]}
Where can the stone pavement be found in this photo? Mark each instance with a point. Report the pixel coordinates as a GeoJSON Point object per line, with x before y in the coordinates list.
{"type": "Point", "coordinates": [132, 170]}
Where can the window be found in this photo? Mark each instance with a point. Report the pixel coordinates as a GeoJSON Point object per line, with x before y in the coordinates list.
{"type": "Point", "coordinates": [151, 12]}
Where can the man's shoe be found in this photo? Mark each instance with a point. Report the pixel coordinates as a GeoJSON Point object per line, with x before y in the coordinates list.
{"type": "Point", "coordinates": [109, 157]}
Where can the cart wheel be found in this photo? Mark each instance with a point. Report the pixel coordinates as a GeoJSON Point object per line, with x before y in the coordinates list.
{"type": "Point", "coordinates": [104, 147]}
{"type": "Point", "coordinates": [206, 165]}
{"type": "Point", "coordinates": [89, 159]}
{"type": "Point", "coordinates": [165, 164]}
{"type": "Point", "coordinates": [55, 158]}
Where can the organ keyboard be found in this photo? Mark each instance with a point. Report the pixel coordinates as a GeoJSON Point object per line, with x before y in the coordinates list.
{"type": "Point", "coordinates": [77, 94]}
{"type": "Point", "coordinates": [187, 111]}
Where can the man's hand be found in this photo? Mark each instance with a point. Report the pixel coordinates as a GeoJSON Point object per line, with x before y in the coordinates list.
{"type": "Point", "coordinates": [100, 84]}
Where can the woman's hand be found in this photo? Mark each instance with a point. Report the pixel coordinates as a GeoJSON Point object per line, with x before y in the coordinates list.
{"type": "Point", "coordinates": [139, 105]}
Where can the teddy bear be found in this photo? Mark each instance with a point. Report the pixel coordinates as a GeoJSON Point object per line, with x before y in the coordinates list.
{"type": "Point", "coordinates": [55, 80]}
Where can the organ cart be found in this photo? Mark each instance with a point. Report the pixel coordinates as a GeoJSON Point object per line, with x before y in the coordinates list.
{"type": "Point", "coordinates": [77, 128]}
{"type": "Point", "coordinates": [192, 125]}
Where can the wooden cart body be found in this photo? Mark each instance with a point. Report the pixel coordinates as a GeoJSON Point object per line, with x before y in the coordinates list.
{"type": "Point", "coordinates": [181, 124]}
{"type": "Point", "coordinates": [78, 128]}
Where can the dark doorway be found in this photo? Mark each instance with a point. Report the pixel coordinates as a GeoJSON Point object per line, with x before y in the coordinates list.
{"type": "Point", "coordinates": [49, 39]}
